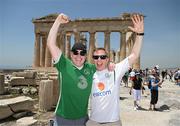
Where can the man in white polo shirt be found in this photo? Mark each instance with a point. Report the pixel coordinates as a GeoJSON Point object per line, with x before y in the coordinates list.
{"type": "Point", "coordinates": [106, 84]}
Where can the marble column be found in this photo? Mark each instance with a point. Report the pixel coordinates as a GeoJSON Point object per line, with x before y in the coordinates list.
{"type": "Point", "coordinates": [77, 37]}
{"type": "Point", "coordinates": [111, 56]}
{"type": "Point", "coordinates": [136, 65]}
{"type": "Point", "coordinates": [61, 42]}
{"type": "Point", "coordinates": [68, 45]}
{"type": "Point", "coordinates": [123, 46]}
{"type": "Point", "coordinates": [107, 41]}
{"type": "Point", "coordinates": [48, 58]}
{"type": "Point", "coordinates": [43, 50]}
{"type": "Point", "coordinates": [117, 57]}
{"type": "Point", "coordinates": [91, 46]}
{"type": "Point", "coordinates": [37, 50]}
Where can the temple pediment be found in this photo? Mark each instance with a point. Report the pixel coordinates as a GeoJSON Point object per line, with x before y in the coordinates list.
{"type": "Point", "coordinates": [50, 17]}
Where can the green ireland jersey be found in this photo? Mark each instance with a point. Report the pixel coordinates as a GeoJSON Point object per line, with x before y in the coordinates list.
{"type": "Point", "coordinates": [75, 88]}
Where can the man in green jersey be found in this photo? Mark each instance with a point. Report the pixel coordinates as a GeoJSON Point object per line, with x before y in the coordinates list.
{"type": "Point", "coordinates": [76, 80]}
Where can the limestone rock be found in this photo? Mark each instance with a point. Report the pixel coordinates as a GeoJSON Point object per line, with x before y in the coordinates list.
{"type": "Point", "coordinates": [26, 90]}
{"type": "Point", "coordinates": [1, 84]}
{"type": "Point", "coordinates": [26, 121]}
{"type": "Point", "coordinates": [25, 74]}
{"type": "Point", "coordinates": [5, 111]}
{"type": "Point", "coordinates": [21, 81]}
{"type": "Point", "coordinates": [19, 115]}
{"type": "Point", "coordinates": [13, 105]}
{"type": "Point", "coordinates": [33, 91]}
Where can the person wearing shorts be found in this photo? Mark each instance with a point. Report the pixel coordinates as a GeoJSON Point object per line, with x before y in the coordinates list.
{"type": "Point", "coordinates": [136, 89]}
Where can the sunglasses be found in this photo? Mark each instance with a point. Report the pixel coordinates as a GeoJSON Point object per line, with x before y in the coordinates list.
{"type": "Point", "coordinates": [96, 57]}
{"type": "Point", "coordinates": [82, 52]}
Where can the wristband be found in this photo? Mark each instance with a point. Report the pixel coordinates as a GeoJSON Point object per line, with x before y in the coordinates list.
{"type": "Point", "coordinates": [140, 34]}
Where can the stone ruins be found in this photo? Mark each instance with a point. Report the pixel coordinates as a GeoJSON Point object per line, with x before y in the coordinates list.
{"type": "Point", "coordinates": [26, 92]}
{"type": "Point", "coordinates": [76, 28]}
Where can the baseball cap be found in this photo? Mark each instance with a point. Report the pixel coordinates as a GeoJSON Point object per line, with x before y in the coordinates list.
{"type": "Point", "coordinates": [78, 46]}
{"type": "Point", "coordinates": [157, 67]}
{"type": "Point", "coordinates": [132, 74]}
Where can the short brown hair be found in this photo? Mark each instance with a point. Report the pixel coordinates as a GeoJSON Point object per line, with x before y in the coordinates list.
{"type": "Point", "coordinates": [100, 48]}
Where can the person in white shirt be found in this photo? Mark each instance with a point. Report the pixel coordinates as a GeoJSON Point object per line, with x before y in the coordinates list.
{"type": "Point", "coordinates": [104, 99]}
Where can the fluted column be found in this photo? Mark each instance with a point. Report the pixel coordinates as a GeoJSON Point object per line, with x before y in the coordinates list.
{"type": "Point", "coordinates": [77, 37]}
{"type": "Point", "coordinates": [136, 65]}
{"type": "Point", "coordinates": [117, 57]}
{"type": "Point", "coordinates": [37, 51]}
{"type": "Point", "coordinates": [43, 50]}
{"type": "Point", "coordinates": [68, 45]}
{"type": "Point", "coordinates": [61, 42]}
{"type": "Point", "coordinates": [123, 46]}
{"type": "Point", "coordinates": [112, 55]}
{"type": "Point", "coordinates": [48, 59]}
{"type": "Point", "coordinates": [129, 36]}
{"type": "Point", "coordinates": [107, 41]}
{"type": "Point", "coordinates": [91, 46]}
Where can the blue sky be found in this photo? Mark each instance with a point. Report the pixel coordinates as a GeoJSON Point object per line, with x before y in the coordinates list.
{"type": "Point", "coordinates": [162, 27]}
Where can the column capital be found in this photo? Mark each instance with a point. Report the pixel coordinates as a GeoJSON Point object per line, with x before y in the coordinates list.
{"type": "Point", "coordinates": [69, 33]}
{"type": "Point", "coordinates": [44, 34]}
{"type": "Point", "coordinates": [107, 32]}
{"type": "Point", "coordinates": [37, 33]}
{"type": "Point", "coordinates": [123, 32]}
{"type": "Point", "coordinates": [92, 32]}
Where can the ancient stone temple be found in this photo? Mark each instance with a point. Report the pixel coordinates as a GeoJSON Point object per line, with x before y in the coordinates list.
{"type": "Point", "coordinates": [42, 57]}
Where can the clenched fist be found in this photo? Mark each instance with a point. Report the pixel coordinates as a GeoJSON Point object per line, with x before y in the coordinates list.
{"type": "Point", "coordinates": [62, 18]}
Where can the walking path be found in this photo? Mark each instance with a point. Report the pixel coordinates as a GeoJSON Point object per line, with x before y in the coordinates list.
{"type": "Point", "coordinates": [168, 113]}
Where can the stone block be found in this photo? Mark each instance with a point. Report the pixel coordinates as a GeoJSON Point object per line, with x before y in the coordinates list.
{"type": "Point", "coordinates": [26, 121]}
{"type": "Point", "coordinates": [2, 84]}
{"type": "Point", "coordinates": [45, 95]}
{"type": "Point", "coordinates": [21, 81]}
{"type": "Point", "coordinates": [15, 90]}
{"type": "Point", "coordinates": [25, 74]}
{"type": "Point", "coordinates": [5, 111]}
{"type": "Point", "coordinates": [13, 105]}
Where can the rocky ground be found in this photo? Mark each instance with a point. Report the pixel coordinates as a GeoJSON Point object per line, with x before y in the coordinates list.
{"type": "Point", "coordinates": [168, 113]}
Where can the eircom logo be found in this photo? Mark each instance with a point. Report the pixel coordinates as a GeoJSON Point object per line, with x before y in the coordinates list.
{"type": "Point", "coordinates": [101, 86]}
{"type": "Point", "coordinates": [101, 92]}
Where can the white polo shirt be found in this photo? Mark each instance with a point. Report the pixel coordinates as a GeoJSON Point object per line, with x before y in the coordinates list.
{"type": "Point", "coordinates": [105, 93]}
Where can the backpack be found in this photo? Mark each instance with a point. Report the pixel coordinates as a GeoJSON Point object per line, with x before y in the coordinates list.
{"type": "Point", "coordinates": [176, 76]}
{"type": "Point", "coordinates": [149, 84]}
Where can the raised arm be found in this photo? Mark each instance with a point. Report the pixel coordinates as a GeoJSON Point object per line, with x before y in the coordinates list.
{"type": "Point", "coordinates": [138, 22]}
{"type": "Point", "coordinates": [51, 41]}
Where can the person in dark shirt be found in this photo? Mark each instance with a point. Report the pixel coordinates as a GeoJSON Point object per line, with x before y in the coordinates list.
{"type": "Point", "coordinates": [136, 88]}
